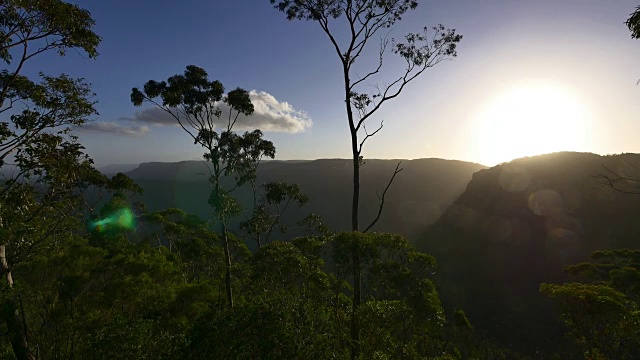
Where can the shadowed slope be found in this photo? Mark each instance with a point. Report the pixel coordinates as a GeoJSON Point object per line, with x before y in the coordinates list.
{"type": "Point", "coordinates": [517, 225]}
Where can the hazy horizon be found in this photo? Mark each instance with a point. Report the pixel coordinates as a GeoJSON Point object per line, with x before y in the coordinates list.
{"type": "Point", "coordinates": [390, 159]}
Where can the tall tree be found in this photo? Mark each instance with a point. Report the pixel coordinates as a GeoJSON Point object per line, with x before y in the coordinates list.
{"type": "Point", "coordinates": [194, 102]}
{"type": "Point", "coordinates": [363, 21]}
{"type": "Point", "coordinates": [44, 184]}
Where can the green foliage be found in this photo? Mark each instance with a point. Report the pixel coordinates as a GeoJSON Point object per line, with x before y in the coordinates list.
{"type": "Point", "coordinates": [268, 211]}
{"type": "Point", "coordinates": [92, 302]}
{"type": "Point", "coordinates": [189, 238]}
{"type": "Point", "coordinates": [390, 331]}
{"type": "Point", "coordinates": [602, 315]}
{"type": "Point", "coordinates": [45, 194]}
{"type": "Point", "coordinates": [460, 320]}
{"type": "Point", "coordinates": [121, 183]}
{"type": "Point", "coordinates": [48, 108]}
{"type": "Point", "coordinates": [284, 313]}
{"type": "Point", "coordinates": [396, 282]}
{"type": "Point", "coordinates": [314, 224]}
{"type": "Point", "coordinates": [64, 26]}
{"type": "Point", "coordinates": [273, 328]}
{"type": "Point", "coordinates": [295, 305]}
{"type": "Point", "coordinates": [281, 266]}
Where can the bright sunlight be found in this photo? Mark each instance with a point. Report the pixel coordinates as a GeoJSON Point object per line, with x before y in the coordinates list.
{"type": "Point", "coordinates": [531, 119]}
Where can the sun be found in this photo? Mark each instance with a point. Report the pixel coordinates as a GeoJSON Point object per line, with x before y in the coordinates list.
{"type": "Point", "coordinates": [528, 120]}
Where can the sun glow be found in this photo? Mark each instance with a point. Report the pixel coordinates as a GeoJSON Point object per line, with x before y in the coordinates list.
{"type": "Point", "coordinates": [531, 120]}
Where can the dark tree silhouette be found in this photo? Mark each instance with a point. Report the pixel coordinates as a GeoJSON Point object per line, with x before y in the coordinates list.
{"type": "Point", "coordinates": [193, 101]}
{"type": "Point", "coordinates": [633, 23]}
{"type": "Point", "coordinates": [362, 21]}
{"type": "Point", "coordinates": [365, 19]}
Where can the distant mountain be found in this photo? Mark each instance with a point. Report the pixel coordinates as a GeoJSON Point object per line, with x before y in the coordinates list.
{"type": "Point", "coordinates": [117, 168]}
{"type": "Point", "coordinates": [517, 225]}
{"type": "Point", "coordinates": [189, 170]}
{"type": "Point", "coordinates": [421, 192]}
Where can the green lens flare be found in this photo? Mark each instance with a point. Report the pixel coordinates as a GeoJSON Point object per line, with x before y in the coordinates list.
{"type": "Point", "coordinates": [123, 219]}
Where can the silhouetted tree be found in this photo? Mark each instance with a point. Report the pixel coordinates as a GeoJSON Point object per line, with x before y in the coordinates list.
{"type": "Point", "coordinates": [43, 188]}
{"type": "Point", "coordinates": [193, 101]}
{"type": "Point", "coordinates": [363, 20]}
{"type": "Point", "coordinates": [633, 23]}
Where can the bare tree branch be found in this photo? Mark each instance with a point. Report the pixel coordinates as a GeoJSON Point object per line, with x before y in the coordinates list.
{"type": "Point", "coordinates": [620, 182]}
{"type": "Point", "coordinates": [367, 135]}
{"type": "Point", "coordinates": [381, 205]}
{"type": "Point", "coordinates": [383, 45]}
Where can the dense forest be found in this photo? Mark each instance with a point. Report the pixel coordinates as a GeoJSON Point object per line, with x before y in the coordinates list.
{"type": "Point", "coordinates": [237, 257]}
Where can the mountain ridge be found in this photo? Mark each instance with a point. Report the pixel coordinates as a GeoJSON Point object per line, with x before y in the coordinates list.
{"type": "Point", "coordinates": [517, 225]}
{"type": "Point", "coordinates": [416, 198]}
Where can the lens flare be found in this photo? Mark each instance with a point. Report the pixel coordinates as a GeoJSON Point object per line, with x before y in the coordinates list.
{"type": "Point", "coordinates": [122, 219]}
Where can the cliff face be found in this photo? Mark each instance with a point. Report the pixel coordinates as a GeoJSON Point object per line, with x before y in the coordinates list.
{"type": "Point", "coordinates": [517, 225]}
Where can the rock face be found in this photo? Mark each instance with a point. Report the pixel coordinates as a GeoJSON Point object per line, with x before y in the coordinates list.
{"type": "Point", "coordinates": [417, 198]}
{"type": "Point", "coordinates": [517, 225]}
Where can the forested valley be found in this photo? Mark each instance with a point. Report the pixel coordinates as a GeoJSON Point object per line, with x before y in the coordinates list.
{"type": "Point", "coordinates": [244, 257]}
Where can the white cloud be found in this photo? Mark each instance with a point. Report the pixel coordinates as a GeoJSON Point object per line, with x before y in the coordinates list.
{"type": "Point", "coordinates": [269, 115]}
{"type": "Point", "coordinates": [272, 115]}
{"type": "Point", "coordinates": [113, 128]}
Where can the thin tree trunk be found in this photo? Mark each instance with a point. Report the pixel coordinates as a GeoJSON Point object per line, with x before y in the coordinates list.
{"type": "Point", "coordinates": [6, 271]}
{"type": "Point", "coordinates": [357, 271]}
{"type": "Point", "coordinates": [227, 257]}
{"type": "Point", "coordinates": [355, 205]}
{"type": "Point", "coordinates": [225, 245]}
{"type": "Point", "coordinates": [15, 324]}
{"type": "Point", "coordinates": [225, 236]}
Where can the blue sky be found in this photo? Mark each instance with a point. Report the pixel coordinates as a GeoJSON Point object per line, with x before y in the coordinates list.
{"type": "Point", "coordinates": [576, 50]}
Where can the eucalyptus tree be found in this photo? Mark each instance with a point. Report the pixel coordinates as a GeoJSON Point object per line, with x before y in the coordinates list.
{"type": "Point", "coordinates": [194, 102]}
{"type": "Point", "coordinates": [269, 209]}
{"type": "Point", "coordinates": [44, 169]}
{"type": "Point", "coordinates": [353, 28]}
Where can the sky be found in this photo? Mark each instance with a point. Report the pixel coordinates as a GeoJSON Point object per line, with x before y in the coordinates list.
{"type": "Point", "coordinates": [530, 77]}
